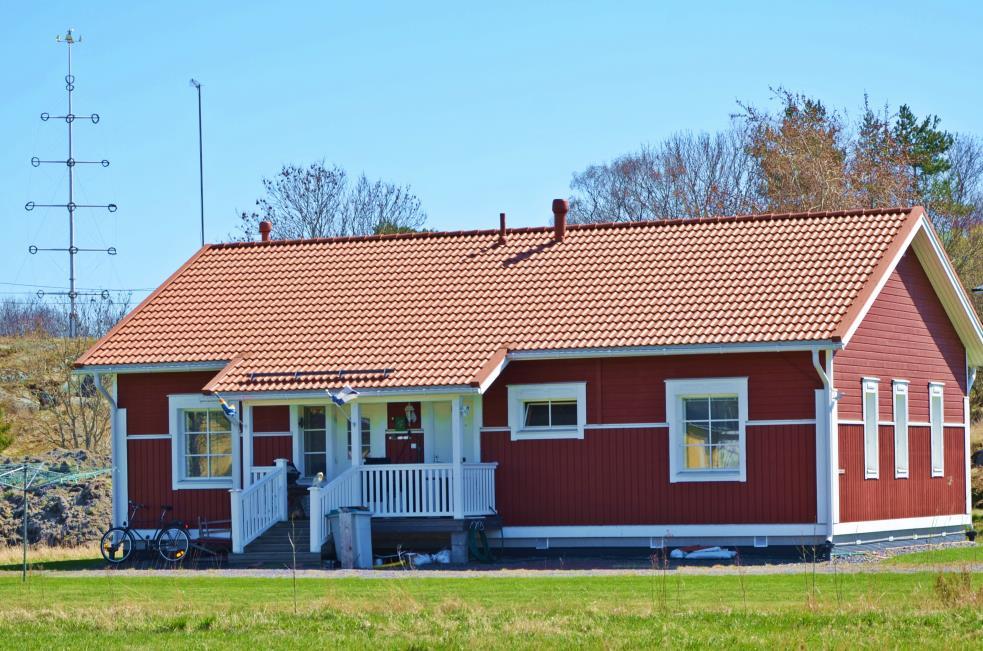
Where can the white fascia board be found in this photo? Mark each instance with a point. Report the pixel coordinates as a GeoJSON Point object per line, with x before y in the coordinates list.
{"type": "Point", "coordinates": [164, 367]}
{"type": "Point", "coordinates": [403, 394]}
{"type": "Point", "coordinates": [950, 291]}
{"type": "Point", "coordinates": [692, 349]}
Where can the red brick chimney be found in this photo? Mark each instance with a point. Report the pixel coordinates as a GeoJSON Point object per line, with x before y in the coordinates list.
{"type": "Point", "coordinates": [560, 209]}
{"type": "Point", "coordinates": [264, 230]}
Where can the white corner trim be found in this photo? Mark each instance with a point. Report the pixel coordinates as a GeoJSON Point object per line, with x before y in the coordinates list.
{"type": "Point", "coordinates": [521, 393]}
{"type": "Point", "coordinates": [676, 390]}
{"type": "Point", "coordinates": [901, 524]}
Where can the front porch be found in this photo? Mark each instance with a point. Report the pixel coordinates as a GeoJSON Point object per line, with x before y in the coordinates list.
{"type": "Point", "coordinates": [323, 440]}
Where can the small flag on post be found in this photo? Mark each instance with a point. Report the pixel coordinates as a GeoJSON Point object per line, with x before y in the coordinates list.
{"type": "Point", "coordinates": [343, 395]}
{"type": "Point", "coordinates": [229, 410]}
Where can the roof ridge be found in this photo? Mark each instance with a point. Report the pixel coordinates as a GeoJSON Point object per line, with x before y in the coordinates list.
{"type": "Point", "coordinates": [673, 221]}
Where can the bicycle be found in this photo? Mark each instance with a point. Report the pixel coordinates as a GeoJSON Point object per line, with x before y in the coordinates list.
{"type": "Point", "coordinates": [170, 539]}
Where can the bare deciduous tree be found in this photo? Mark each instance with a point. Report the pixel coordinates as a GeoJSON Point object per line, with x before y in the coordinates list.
{"type": "Point", "coordinates": [321, 201]}
{"type": "Point", "coordinates": [687, 175]}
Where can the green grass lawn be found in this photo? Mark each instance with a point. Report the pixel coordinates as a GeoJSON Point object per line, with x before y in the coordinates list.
{"type": "Point", "coordinates": [972, 554]}
{"type": "Point", "coordinates": [843, 611]}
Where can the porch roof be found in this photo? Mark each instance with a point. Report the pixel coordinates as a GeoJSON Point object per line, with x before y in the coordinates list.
{"type": "Point", "coordinates": [441, 309]}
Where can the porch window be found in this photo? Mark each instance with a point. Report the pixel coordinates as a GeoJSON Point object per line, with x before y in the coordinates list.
{"type": "Point", "coordinates": [366, 438]}
{"type": "Point", "coordinates": [547, 411]}
{"type": "Point", "coordinates": [313, 426]}
{"type": "Point", "coordinates": [707, 429]}
{"type": "Point", "coordinates": [207, 437]}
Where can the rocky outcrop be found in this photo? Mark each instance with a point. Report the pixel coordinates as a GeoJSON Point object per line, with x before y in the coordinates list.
{"type": "Point", "coordinates": [60, 514]}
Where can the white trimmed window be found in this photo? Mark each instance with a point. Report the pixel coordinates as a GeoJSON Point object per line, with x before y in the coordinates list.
{"type": "Point", "coordinates": [314, 433]}
{"type": "Point", "coordinates": [707, 429]}
{"type": "Point", "coordinates": [547, 411]}
{"type": "Point", "coordinates": [871, 432]}
{"type": "Point", "coordinates": [936, 412]}
{"type": "Point", "coordinates": [201, 443]}
{"type": "Point", "coordinates": [900, 429]}
{"type": "Point", "coordinates": [366, 438]}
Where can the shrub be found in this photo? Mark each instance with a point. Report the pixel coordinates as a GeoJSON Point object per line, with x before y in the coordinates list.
{"type": "Point", "coordinates": [6, 438]}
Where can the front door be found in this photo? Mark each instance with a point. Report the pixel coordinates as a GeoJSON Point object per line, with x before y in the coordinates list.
{"type": "Point", "coordinates": [405, 447]}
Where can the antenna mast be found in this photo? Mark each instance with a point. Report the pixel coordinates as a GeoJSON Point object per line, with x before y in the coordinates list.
{"type": "Point", "coordinates": [69, 39]}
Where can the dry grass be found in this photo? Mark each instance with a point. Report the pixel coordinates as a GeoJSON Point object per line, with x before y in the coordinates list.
{"type": "Point", "coordinates": [42, 554]}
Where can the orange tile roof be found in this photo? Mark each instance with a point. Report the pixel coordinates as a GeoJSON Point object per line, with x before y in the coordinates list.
{"type": "Point", "coordinates": [434, 309]}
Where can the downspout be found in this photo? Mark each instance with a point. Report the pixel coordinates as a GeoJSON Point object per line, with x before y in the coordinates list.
{"type": "Point", "coordinates": [120, 510]}
{"type": "Point", "coordinates": [832, 444]}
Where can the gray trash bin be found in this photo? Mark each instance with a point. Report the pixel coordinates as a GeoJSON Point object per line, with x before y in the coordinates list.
{"type": "Point", "coordinates": [351, 529]}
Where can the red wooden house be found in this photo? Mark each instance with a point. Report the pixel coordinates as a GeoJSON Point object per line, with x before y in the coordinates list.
{"type": "Point", "coordinates": [778, 379]}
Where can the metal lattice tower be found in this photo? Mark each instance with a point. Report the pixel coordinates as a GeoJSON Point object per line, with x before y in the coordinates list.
{"type": "Point", "coordinates": [70, 39]}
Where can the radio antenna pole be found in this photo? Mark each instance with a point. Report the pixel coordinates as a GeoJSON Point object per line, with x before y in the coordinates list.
{"type": "Point", "coordinates": [70, 39]}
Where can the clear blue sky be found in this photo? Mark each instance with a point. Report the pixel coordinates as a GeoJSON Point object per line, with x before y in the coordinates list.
{"type": "Point", "coordinates": [480, 109]}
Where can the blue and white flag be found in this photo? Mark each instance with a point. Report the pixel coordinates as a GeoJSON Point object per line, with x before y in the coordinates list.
{"type": "Point", "coordinates": [343, 395]}
{"type": "Point", "coordinates": [230, 410]}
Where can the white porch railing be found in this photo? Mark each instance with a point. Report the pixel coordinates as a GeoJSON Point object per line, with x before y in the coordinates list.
{"type": "Point", "coordinates": [259, 507]}
{"type": "Point", "coordinates": [258, 472]}
{"type": "Point", "coordinates": [401, 491]}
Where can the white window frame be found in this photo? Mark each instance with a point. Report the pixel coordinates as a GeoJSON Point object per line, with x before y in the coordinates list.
{"type": "Point", "coordinates": [676, 391]}
{"type": "Point", "coordinates": [519, 394]}
{"type": "Point", "coordinates": [176, 405]}
{"type": "Point", "coordinates": [302, 436]}
{"type": "Point", "coordinates": [936, 419]}
{"type": "Point", "coordinates": [872, 446]}
{"type": "Point", "coordinates": [901, 446]}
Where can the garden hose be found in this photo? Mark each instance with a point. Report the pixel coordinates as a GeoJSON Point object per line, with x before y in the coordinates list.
{"type": "Point", "coordinates": [478, 545]}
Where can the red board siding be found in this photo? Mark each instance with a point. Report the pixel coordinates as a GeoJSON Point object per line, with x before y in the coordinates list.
{"type": "Point", "coordinates": [144, 396]}
{"type": "Point", "coordinates": [621, 476]}
{"type": "Point", "coordinates": [266, 449]}
{"type": "Point", "coordinates": [271, 419]}
{"type": "Point", "coordinates": [632, 389]}
{"type": "Point", "coordinates": [906, 335]}
{"type": "Point", "coordinates": [888, 498]}
{"type": "Point", "coordinates": [149, 464]}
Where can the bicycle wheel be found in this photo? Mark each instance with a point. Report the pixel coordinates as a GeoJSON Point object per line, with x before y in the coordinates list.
{"type": "Point", "coordinates": [173, 544]}
{"type": "Point", "coordinates": [116, 545]}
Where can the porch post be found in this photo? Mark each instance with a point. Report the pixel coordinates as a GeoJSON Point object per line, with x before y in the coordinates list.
{"type": "Point", "coordinates": [247, 445]}
{"type": "Point", "coordinates": [457, 451]}
{"type": "Point", "coordinates": [317, 519]}
{"type": "Point", "coordinates": [236, 495]}
{"type": "Point", "coordinates": [281, 491]}
{"type": "Point", "coordinates": [237, 433]}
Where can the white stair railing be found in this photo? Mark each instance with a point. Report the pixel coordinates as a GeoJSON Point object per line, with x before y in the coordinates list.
{"type": "Point", "coordinates": [341, 491]}
{"type": "Point", "coordinates": [259, 507]}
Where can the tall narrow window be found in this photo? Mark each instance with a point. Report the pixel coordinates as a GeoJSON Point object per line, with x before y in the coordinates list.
{"type": "Point", "coordinates": [313, 424]}
{"type": "Point", "coordinates": [366, 438]}
{"type": "Point", "coordinates": [901, 429]}
{"type": "Point", "coordinates": [871, 448]}
{"type": "Point", "coordinates": [936, 413]}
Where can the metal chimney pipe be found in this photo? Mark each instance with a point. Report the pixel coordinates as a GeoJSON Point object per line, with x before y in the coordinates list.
{"type": "Point", "coordinates": [560, 210]}
{"type": "Point", "coordinates": [501, 228]}
{"type": "Point", "coordinates": [265, 228]}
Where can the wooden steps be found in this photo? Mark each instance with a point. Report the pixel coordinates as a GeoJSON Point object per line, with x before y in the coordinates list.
{"type": "Point", "coordinates": [273, 548]}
